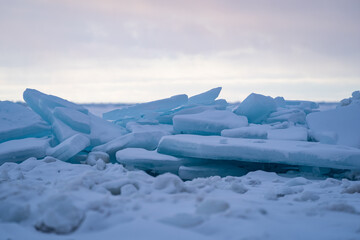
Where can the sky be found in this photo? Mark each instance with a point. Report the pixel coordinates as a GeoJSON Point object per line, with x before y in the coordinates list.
{"type": "Point", "coordinates": [142, 50]}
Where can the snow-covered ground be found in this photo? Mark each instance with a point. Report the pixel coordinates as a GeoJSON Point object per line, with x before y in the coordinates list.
{"type": "Point", "coordinates": [39, 196]}
{"type": "Point", "coordinates": [180, 168]}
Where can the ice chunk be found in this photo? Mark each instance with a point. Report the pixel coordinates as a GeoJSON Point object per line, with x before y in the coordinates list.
{"type": "Point", "coordinates": [208, 122]}
{"type": "Point", "coordinates": [17, 121]}
{"type": "Point", "coordinates": [95, 156]}
{"type": "Point", "coordinates": [210, 169]}
{"type": "Point", "coordinates": [324, 137]}
{"type": "Point", "coordinates": [142, 108]}
{"type": "Point", "coordinates": [43, 104]}
{"type": "Point", "coordinates": [280, 101]}
{"type": "Point", "coordinates": [148, 160]}
{"type": "Point", "coordinates": [256, 107]}
{"type": "Point", "coordinates": [355, 99]}
{"type": "Point", "coordinates": [302, 104]}
{"type": "Point", "coordinates": [137, 127]}
{"type": "Point", "coordinates": [291, 133]}
{"type": "Point", "coordinates": [70, 147]}
{"type": "Point", "coordinates": [68, 119]}
{"type": "Point", "coordinates": [343, 121]}
{"type": "Point", "coordinates": [73, 118]}
{"type": "Point", "coordinates": [252, 131]}
{"type": "Point", "coordinates": [207, 97]}
{"type": "Point", "coordinates": [292, 115]}
{"type": "Point", "coordinates": [169, 183]}
{"type": "Point", "coordinates": [22, 149]}
{"type": "Point", "coordinates": [103, 131]}
{"type": "Point", "coordinates": [266, 151]}
{"type": "Point", "coordinates": [148, 140]}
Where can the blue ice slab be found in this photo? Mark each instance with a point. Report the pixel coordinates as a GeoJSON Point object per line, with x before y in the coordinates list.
{"type": "Point", "coordinates": [343, 122]}
{"type": "Point", "coordinates": [147, 140]}
{"type": "Point", "coordinates": [142, 108]}
{"type": "Point", "coordinates": [210, 122]}
{"type": "Point", "coordinates": [256, 107]}
{"type": "Point", "coordinates": [69, 148]}
{"type": "Point", "coordinates": [22, 149]}
{"type": "Point", "coordinates": [43, 104]}
{"type": "Point", "coordinates": [297, 153]}
{"type": "Point", "coordinates": [68, 119]}
{"type": "Point", "coordinates": [148, 160]}
{"type": "Point", "coordinates": [207, 97]}
{"type": "Point", "coordinates": [17, 121]}
{"type": "Point", "coordinates": [73, 118]}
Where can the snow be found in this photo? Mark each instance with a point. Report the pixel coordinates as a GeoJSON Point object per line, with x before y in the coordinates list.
{"type": "Point", "coordinates": [344, 122]}
{"type": "Point", "coordinates": [89, 206]}
{"type": "Point", "coordinates": [66, 173]}
{"type": "Point", "coordinates": [210, 122]}
{"type": "Point", "coordinates": [256, 107]}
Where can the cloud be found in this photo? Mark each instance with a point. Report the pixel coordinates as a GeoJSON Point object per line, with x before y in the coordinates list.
{"type": "Point", "coordinates": [178, 45]}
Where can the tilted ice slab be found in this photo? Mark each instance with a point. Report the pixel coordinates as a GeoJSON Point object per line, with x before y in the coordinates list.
{"type": "Point", "coordinates": [43, 104]}
{"type": "Point", "coordinates": [266, 151]}
{"type": "Point", "coordinates": [68, 119]}
{"type": "Point", "coordinates": [148, 160]}
{"type": "Point", "coordinates": [344, 122]}
{"type": "Point", "coordinates": [148, 140]}
{"type": "Point", "coordinates": [142, 108]}
{"type": "Point", "coordinates": [208, 123]}
{"type": "Point", "coordinates": [22, 149]}
{"type": "Point", "coordinates": [17, 121]}
{"type": "Point", "coordinates": [70, 147]}
{"type": "Point", "coordinates": [207, 97]}
{"type": "Point", "coordinates": [256, 107]}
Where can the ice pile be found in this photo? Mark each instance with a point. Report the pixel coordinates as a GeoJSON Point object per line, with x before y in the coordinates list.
{"type": "Point", "coordinates": [189, 136]}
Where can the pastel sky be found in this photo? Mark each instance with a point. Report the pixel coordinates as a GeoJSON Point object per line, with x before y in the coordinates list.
{"type": "Point", "coordinates": [143, 50]}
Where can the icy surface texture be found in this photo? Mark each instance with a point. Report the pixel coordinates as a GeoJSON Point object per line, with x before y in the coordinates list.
{"type": "Point", "coordinates": [253, 150]}
{"type": "Point", "coordinates": [256, 107]}
{"type": "Point", "coordinates": [51, 200]}
{"type": "Point", "coordinates": [210, 122]}
{"type": "Point", "coordinates": [341, 125]}
{"type": "Point", "coordinates": [17, 121]}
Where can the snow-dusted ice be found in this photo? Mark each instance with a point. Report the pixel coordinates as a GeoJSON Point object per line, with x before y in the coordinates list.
{"type": "Point", "coordinates": [182, 167]}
